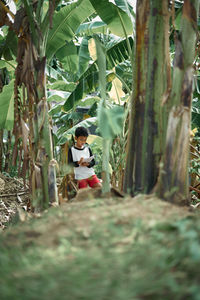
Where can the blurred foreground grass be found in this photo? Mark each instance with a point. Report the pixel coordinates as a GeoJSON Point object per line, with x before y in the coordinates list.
{"type": "Point", "coordinates": [102, 250]}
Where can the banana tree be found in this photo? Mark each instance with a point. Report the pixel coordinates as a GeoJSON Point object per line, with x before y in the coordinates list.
{"type": "Point", "coordinates": [119, 23]}
{"type": "Point", "coordinates": [58, 41]}
{"type": "Point", "coordinates": [173, 184]}
{"type": "Point", "coordinates": [145, 132]}
{"type": "Point", "coordinates": [32, 24]}
{"type": "Point", "coordinates": [160, 121]}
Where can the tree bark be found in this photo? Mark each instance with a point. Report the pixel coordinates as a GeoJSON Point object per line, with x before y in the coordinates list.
{"type": "Point", "coordinates": [30, 72]}
{"type": "Point", "coordinates": [150, 93]}
{"type": "Point", "coordinates": [173, 184]}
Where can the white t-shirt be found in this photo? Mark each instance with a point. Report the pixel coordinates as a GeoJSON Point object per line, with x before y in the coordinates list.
{"type": "Point", "coordinates": [74, 156]}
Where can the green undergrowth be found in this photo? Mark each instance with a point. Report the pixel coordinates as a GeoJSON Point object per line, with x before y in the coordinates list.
{"type": "Point", "coordinates": [102, 251]}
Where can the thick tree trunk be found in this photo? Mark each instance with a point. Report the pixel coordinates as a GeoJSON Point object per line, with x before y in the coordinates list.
{"type": "Point", "coordinates": [31, 72]}
{"type": "Point", "coordinates": [173, 180]}
{"type": "Point", "coordinates": [44, 189]}
{"type": "Point", "coordinates": [151, 89]}
{"type": "Point", "coordinates": [136, 118]}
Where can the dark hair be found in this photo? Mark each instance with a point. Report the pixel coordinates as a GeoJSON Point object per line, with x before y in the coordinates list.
{"type": "Point", "coordinates": [81, 131]}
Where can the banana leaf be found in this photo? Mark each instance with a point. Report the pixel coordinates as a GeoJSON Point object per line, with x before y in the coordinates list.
{"type": "Point", "coordinates": [62, 85]}
{"type": "Point", "coordinates": [54, 75]}
{"type": "Point", "coordinates": [68, 57]}
{"type": "Point", "coordinates": [65, 23]}
{"type": "Point", "coordinates": [7, 106]}
{"type": "Point", "coordinates": [84, 56]}
{"type": "Point", "coordinates": [117, 20]}
{"type": "Point", "coordinates": [117, 52]}
{"type": "Point", "coordinates": [91, 28]}
{"type": "Point", "coordinates": [9, 46]}
{"type": "Point", "coordinates": [110, 120]}
{"type": "Point", "coordinates": [57, 96]}
{"type": "Point", "coordinates": [124, 5]}
{"type": "Point", "coordinates": [10, 65]}
{"type": "Point", "coordinates": [86, 85]}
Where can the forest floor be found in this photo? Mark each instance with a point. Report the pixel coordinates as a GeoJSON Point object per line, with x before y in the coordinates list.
{"type": "Point", "coordinates": [102, 249]}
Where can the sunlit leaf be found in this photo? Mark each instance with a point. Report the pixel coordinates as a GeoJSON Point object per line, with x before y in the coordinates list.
{"type": "Point", "coordinates": [117, 20]}
{"type": "Point", "coordinates": [95, 139]}
{"type": "Point", "coordinates": [92, 49]}
{"type": "Point", "coordinates": [110, 120]}
{"type": "Point", "coordinates": [92, 27]}
{"type": "Point", "coordinates": [10, 65]}
{"type": "Point", "coordinates": [56, 95]}
{"type": "Point", "coordinates": [116, 92]}
{"type": "Point", "coordinates": [62, 86]}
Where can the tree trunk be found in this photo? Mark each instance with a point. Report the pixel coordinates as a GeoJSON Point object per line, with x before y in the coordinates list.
{"type": "Point", "coordinates": [31, 72]}
{"type": "Point", "coordinates": [173, 180]}
{"type": "Point", "coordinates": [44, 189]}
{"type": "Point", "coordinates": [150, 92]}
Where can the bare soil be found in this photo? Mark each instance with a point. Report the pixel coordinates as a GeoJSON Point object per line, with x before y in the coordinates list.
{"type": "Point", "coordinates": [86, 209]}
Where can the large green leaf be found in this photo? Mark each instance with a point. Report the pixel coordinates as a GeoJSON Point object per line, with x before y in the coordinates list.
{"type": "Point", "coordinates": [110, 120]}
{"type": "Point", "coordinates": [7, 106]}
{"type": "Point", "coordinates": [117, 52]}
{"type": "Point", "coordinates": [57, 96]}
{"type": "Point", "coordinates": [101, 62]}
{"type": "Point", "coordinates": [86, 85]}
{"type": "Point", "coordinates": [92, 27]}
{"type": "Point", "coordinates": [124, 5]}
{"type": "Point", "coordinates": [84, 56]}
{"type": "Point", "coordinates": [55, 110]}
{"type": "Point", "coordinates": [9, 47]}
{"type": "Point", "coordinates": [89, 101]}
{"type": "Point", "coordinates": [54, 74]}
{"type": "Point", "coordinates": [10, 65]}
{"type": "Point", "coordinates": [195, 113]}
{"type": "Point", "coordinates": [62, 86]}
{"type": "Point", "coordinates": [117, 20]}
{"type": "Point", "coordinates": [129, 8]}
{"type": "Point", "coordinates": [65, 23]}
{"type": "Point", "coordinates": [67, 55]}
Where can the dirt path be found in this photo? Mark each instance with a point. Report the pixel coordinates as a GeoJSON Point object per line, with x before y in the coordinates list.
{"type": "Point", "coordinates": [117, 248]}
{"type": "Point", "coordinates": [83, 216]}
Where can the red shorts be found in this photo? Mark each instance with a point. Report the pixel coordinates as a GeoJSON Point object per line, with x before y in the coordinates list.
{"type": "Point", "coordinates": [83, 183]}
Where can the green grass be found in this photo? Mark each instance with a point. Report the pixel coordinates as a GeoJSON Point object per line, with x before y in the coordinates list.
{"type": "Point", "coordinates": [109, 258]}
